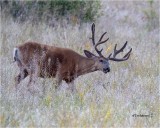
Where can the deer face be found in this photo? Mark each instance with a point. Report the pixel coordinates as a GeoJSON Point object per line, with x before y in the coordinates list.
{"type": "Point", "coordinates": [101, 63]}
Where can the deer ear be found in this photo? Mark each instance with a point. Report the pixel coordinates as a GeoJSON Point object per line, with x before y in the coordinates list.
{"type": "Point", "coordinates": [88, 54]}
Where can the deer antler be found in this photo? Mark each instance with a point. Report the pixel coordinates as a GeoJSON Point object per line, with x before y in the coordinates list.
{"type": "Point", "coordinates": [99, 42]}
{"type": "Point", "coordinates": [117, 52]}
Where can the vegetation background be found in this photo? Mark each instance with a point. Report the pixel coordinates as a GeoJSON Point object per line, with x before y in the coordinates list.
{"type": "Point", "coordinates": [102, 100]}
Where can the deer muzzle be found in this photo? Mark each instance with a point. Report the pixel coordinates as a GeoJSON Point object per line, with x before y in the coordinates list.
{"type": "Point", "coordinates": [105, 70]}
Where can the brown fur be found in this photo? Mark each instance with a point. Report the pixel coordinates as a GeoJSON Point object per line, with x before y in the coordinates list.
{"type": "Point", "coordinates": [47, 61]}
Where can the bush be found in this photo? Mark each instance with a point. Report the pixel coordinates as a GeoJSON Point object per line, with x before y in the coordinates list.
{"type": "Point", "coordinates": [151, 16]}
{"type": "Point", "coordinates": [72, 11]}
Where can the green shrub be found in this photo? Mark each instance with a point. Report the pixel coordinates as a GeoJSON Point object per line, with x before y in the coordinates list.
{"type": "Point", "coordinates": [73, 11]}
{"type": "Point", "coordinates": [151, 16]}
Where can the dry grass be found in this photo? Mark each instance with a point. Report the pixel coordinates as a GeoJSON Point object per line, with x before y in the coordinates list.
{"type": "Point", "coordinates": [101, 100]}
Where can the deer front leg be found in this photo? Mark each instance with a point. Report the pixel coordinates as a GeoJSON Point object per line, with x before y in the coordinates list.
{"type": "Point", "coordinates": [72, 87]}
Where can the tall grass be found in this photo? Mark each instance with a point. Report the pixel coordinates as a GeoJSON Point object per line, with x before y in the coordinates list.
{"type": "Point", "coordinates": [102, 100]}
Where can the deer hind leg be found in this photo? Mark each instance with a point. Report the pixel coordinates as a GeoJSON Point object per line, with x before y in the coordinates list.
{"type": "Point", "coordinates": [22, 75]}
{"type": "Point", "coordinates": [30, 82]}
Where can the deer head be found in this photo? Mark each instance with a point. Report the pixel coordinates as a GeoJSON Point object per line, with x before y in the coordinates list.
{"type": "Point", "coordinates": [102, 62]}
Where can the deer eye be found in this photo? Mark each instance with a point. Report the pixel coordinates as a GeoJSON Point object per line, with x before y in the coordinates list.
{"type": "Point", "coordinates": [100, 60]}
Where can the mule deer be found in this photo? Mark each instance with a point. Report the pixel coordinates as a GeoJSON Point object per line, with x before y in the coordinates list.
{"type": "Point", "coordinates": [39, 60]}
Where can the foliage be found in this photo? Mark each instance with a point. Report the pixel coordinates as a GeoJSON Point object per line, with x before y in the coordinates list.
{"type": "Point", "coordinates": [73, 11]}
{"type": "Point", "coordinates": [151, 16]}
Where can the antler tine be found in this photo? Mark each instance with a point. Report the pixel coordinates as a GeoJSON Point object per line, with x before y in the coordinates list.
{"type": "Point", "coordinates": [93, 32]}
{"type": "Point", "coordinates": [128, 54]}
{"type": "Point", "coordinates": [126, 57]}
{"type": "Point", "coordinates": [101, 42]}
{"type": "Point", "coordinates": [100, 51]}
{"type": "Point", "coordinates": [102, 36]}
{"type": "Point", "coordinates": [120, 50]}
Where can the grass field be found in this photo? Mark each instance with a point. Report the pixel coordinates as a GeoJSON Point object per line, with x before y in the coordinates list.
{"type": "Point", "coordinates": [115, 99]}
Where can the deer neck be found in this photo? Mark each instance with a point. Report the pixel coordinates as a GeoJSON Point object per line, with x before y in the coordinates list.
{"type": "Point", "coordinates": [86, 66]}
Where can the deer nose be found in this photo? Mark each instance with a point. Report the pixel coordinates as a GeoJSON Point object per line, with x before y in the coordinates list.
{"type": "Point", "coordinates": [108, 69]}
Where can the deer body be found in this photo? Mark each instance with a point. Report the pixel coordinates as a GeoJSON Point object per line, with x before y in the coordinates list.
{"type": "Point", "coordinates": [40, 60]}
{"type": "Point", "coordinates": [48, 61]}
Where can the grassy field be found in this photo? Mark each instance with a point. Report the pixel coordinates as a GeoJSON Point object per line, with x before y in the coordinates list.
{"type": "Point", "coordinates": [115, 99]}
